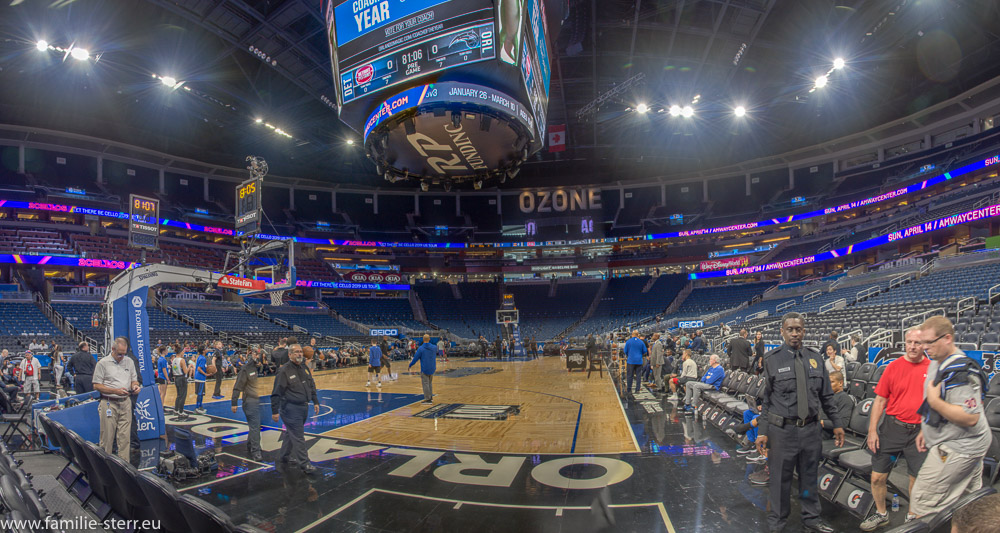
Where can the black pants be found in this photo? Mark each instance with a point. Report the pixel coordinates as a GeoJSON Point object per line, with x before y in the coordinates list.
{"type": "Point", "coordinates": [182, 389]}
{"type": "Point", "coordinates": [218, 382]}
{"type": "Point", "coordinates": [134, 437]}
{"type": "Point", "coordinates": [83, 383]}
{"type": "Point", "coordinates": [793, 448]}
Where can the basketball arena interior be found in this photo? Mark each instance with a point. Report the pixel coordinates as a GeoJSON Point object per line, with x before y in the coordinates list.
{"type": "Point", "coordinates": [511, 265]}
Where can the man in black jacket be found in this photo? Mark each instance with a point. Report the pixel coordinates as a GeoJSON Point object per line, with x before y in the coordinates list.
{"type": "Point", "coordinates": [293, 389]}
{"type": "Point", "coordinates": [279, 355]}
{"type": "Point", "coordinates": [246, 383]}
{"type": "Point", "coordinates": [740, 351]}
{"type": "Point", "coordinates": [81, 367]}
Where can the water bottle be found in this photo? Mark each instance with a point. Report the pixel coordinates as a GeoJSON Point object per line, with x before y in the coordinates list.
{"type": "Point", "coordinates": [895, 503]}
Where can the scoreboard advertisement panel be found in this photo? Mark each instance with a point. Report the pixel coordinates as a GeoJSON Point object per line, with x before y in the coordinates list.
{"type": "Point", "coordinates": [144, 222]}
{"type": "Point", "coordinates": [383, 43]}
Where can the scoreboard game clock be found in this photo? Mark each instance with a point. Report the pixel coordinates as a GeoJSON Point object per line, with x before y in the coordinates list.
{"type": "Point", "coordinates": [248, 207]}
{"type": "Point", "coordinates": [143, 222]}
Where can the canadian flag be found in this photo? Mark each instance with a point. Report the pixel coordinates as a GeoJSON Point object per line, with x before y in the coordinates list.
{"type": "Point", "coordinates": [557, 138]}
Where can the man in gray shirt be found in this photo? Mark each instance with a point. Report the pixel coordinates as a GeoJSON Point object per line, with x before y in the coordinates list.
{"type": "Point", "coordinates": [954, 431]}
{"type": "Point", "coordinates": [656, 359]}
{"type": "Point", "coordinates": [116, 379]}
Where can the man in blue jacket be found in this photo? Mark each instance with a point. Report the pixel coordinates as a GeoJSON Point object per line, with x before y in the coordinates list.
{"type": "Point", "coordinates": [698, 342]}
{"type": "Point", "coordinates": [711, 380]}
{"type": "Point", "coordinates": [634, 350]}
{"type": "Point", "coordinates": [427, 355]}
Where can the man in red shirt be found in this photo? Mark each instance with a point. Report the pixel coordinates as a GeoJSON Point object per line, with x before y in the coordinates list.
{"type": "Point", "coordinates": [900, 392]}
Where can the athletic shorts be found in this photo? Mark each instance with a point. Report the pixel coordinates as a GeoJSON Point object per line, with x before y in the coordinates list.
{"type": "Point", "coordinates": [30, 386]}
{"type": "Point", "coordinates": [160, 381]}
{"type": "Point", "coordinates": [374, 369]}
{"type": "Point", "coordinates": [895, 440]}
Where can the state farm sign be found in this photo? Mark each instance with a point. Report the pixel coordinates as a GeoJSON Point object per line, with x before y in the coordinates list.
{"type": "Point", "coordinates": [232, 282]}
{"type": "Point", "coordinates": [720, 264]}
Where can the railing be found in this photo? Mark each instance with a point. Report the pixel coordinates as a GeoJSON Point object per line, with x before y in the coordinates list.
{"type": "Point", "coordinates": [755, 316]}
{"type": "Point", "coordinates": [882, 338]}
{"type": "Point", "coordinates": [964, 305]}
{"type": "Point", "coordinates": [867, 293]}
{"type": "Point", "coordinates": [281, 322]}
{"type": "Point", "coordinates": [205, 327]}
{"type": "Point", "coordinates": [300, 329]}
{"type": "Point", "coordinates": [836, 283]}
{"type": "Point", "coordinates": [928, 267]}
{"type": "Point", "coordinates": [994, 294]}
{"type": "Point", "coordinates": [782, 306]}
{"type": "Point", "coordinates": [836, 304]}
{"type": "Point", "coordinates": [899, 280]}
{"type": "Point", "coordinates": [845, 343]}
{"type": "Point", "coordinates": [812, 295]}
{"type": "Point", "coordinates": [913, 320]}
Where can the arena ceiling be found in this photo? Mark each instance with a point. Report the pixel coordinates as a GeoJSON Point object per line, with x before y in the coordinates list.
{"type": "Point", "coordinates": [235, 61]}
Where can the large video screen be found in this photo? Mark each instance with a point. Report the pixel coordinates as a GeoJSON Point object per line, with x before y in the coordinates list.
{"type": "Point", "coordinates": [381, 43]}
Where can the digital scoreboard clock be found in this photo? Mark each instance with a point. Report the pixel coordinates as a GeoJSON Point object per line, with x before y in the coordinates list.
{"type": "Point", "coordinates": [144, 222]}
{"type": "Point", "coordinates": [248, 207]}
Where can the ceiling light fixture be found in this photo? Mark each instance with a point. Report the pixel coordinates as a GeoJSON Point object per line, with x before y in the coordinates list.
{"type": "Point", "coordinates": [42, 45]}
{"type": "Point", "coordinates": [642, 108]}
{"type": "Point", "coordinates": [740, 111]}
{"type": "Point", "coordinates": [79, 54]}
{"type": "Point", "coordinates": [350, 142]}
{"type": "Point", "coordinates": [687, 111]}
{"type": "Point", "coordinates": [675, 110]}
{"type": "Point", "coordinates": [839, 63]}
{"type": "Point", "coordinates": [821, 82]}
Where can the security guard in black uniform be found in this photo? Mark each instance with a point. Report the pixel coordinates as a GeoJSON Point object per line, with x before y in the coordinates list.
{"type": "Point", "coordinates": [797, 386]}
{"type": "Point", "coordinates": [293, 388]}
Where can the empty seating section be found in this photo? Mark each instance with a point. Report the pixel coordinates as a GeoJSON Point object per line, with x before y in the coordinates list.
{"type": "Point", "coordinates": [387, 312]}
{"type": "Point", "coordinates": [234, 320]}
{"type": "Point", "coordinates": [34, 242]}
{"type": "Point", "coordinates": [112, 248]}
{"type": "Point", "coordinates": [211, 258]}
{"type": "Point", "coordinates": [23, 322]}
{"type": "Point", "coordinates": [624, 302]}
{"type": "Point", "coordinates": [544, 317]}
{"type": "Point", "coordinates": [707, 300]}
{"type": "Point", "coordinates": [956, 283]}
{"type": "Point", "coordinates": [314, 269]}
{"type": "Point", "coordinates": [80, 315]}
{"type": "Point", "coordinates": [471, 315]}
{"type": "Point", "coordinates": [313, 321]}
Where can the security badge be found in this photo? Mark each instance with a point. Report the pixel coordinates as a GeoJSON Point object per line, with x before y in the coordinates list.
{"type": "Point", "coordinates": [813, 363]}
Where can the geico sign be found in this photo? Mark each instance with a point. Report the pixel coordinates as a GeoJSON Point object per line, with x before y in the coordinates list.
{"type": "Point", "coordinates": [380, 332]}
{"type": "Point", "coordinates": [559, 200]}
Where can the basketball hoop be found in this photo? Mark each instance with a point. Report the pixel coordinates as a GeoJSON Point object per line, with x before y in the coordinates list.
{"type": "Point", "coordinates": [277, 297]}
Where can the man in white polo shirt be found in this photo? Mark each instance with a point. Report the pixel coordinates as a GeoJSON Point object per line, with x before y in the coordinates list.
{"type": "Point", "coordinates": [115, 378]}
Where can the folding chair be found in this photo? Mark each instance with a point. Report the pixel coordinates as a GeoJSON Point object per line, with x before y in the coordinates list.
{"type": "Point", "coordinates": [16, 425]}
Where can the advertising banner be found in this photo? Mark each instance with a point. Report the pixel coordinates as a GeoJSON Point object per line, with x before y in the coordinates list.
{"type": "Point", "coordinates": [721, 264]}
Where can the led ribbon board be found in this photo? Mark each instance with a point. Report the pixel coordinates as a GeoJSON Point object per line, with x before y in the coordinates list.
{"type": "Point", "coordinates": [919, 229]}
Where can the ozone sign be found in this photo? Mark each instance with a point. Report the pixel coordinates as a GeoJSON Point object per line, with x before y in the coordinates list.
{"type": "Point", "coordinates": [393, 332]}
{"type": "Point", "coordinates": [449, 130]}
{"type": "Point", "coordinates": [559, 200]}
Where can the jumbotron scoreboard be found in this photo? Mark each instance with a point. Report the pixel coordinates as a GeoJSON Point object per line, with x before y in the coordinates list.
{"type": "Point", "coordinates": [442, 91]}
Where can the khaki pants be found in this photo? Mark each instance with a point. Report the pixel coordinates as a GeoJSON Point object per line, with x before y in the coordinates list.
{"type": "Point", "coordinates": [943, 478]}
{"type": "Point", "coordinates": [118, 425]}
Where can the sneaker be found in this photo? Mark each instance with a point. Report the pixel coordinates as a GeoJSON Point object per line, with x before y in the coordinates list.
{"type": "Point", "coordinates": [200, 410]}
{"type": "Point", "coordinates": [746, 450]}
{"type": "Point", "coordinates": [427, 402]}
{"type": "Point", "coordinates": [368, 384]}
{"type": "Point", "coordinates": [760, 477]}
{"type": "Point", "coordinates": [379, 384]}
{"type": "Point", "coordinates": [255, 457]}
{"type": "Point", "coordinates": [673, 397]}
{"type": "Point", "coordinates": [756, 459]}
{"type": "Point", "coordinates": [875, 521]}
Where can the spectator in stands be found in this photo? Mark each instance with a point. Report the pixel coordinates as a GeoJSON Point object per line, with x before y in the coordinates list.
{"type": "Point", "coordinates": [200, 376]}
{"type": "Point", "coordinates": [953, 430]}
{"type": "Point", "coordinates": [670, 345]}
{"type": "Point", "coordinates": [758, 352]}
{"type": "Point", "coordinates": [29, 371]}
{"type": "Point", "coordinates": [683, 342]}
{"type": "Point", "coordinates": [834, 362]}
{"type": "Point", "coordinates": [219, 358]}
{"type": "Point", "coordinates": [58, 361]}
{"type": "Point", "coordinates": [899, 393]}
{"type": "Point", "coordinates": [35, 345]}
{"type": "Point", "coordinates": [979, 516]}
{"type": "Point", "coordinates": [832, 341]}
{"type": "Point", "coordinates": [162, 372]}
{"type": "Point", "coordinates": [689, 372]}
{"type": "Point", "coordinates": [279, 355]}
{"type": "Point", "coordinates": [712, 379]}
{"type": "Point", "coordinates": [843, 405]}
{"type": "Point", "coordinates": [635, 351]}
{"type": "Point", "coordinates": [725, 330]}
{"type": "Point", "coordinates": [854, 353]}
{"type": "Point", "coordinates": [81, 366]}
{"type": "Point", "coordinates": [115, 377]}
{"type": "Point", "coordinates": [698, 342]}
{"type": "Point", "coordinates": [427, 355]}
{"type": "Point", "coordinates": [740, 352]}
